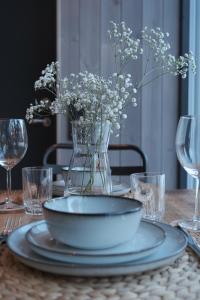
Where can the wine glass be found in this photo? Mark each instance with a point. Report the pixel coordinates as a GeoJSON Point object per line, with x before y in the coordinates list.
{"type": "Point", "coordinates": [13, 146]}
{"type": "Point", "coordinates": [188, 153]}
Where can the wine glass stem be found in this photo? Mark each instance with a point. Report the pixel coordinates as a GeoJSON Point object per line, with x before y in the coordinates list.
{"type": "Point", "coordinates": [196, 216]}
{"type": "Point", "coordinates": [8, 200]}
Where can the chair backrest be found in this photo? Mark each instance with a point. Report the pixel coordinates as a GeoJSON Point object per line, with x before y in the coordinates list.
{"type": "Point", "coordinates": [116, 170]}
{"type": "Point", "coordinates": [128, 170]}
{"type": "Point", "coordinates": [57, 169]}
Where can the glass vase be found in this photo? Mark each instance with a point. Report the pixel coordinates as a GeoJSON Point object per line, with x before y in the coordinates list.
{"type": "Point", "coordinates": [89, 170]}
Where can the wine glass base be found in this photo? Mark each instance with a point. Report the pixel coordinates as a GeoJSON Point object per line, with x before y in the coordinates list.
{"type": "Point", "coordinates": [187, 224]}
{"type": "Point", "coordinates": [11, 207]}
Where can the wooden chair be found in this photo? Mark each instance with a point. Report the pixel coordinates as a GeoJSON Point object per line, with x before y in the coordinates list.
{"type": "Point", "coordinates": [116, 170]}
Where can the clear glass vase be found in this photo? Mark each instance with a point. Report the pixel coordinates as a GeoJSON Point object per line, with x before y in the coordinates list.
{"type": "Point", "coordinates": [89, 170]}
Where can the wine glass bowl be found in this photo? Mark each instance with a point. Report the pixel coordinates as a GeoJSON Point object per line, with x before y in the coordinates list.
{"type": "Point", "coordinates": [188, 153]}
{"type": "Point", "coordinates": [13, 146]}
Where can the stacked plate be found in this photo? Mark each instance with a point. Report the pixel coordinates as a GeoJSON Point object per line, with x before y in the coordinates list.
{"type": "Point", "coordinates": [118, 189]}
{"type": "Point", "coordinates": [154, 245]}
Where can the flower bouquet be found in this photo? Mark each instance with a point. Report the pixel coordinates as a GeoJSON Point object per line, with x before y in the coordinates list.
{"type": "Point", "coordinates": [96, 105]}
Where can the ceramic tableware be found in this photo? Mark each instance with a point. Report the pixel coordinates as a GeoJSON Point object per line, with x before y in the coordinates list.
{"type": "Point", "coordinates": [172, 248]}
{"type": "Point", "coordinates": [148, 237]}
{"type": "Point", "coordinates": [92, 222]}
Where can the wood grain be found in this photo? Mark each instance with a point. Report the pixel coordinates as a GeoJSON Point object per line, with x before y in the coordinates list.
{"type": "Point", "coordinates": [179, 204]}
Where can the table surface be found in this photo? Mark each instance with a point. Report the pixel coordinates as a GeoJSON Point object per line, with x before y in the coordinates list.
{"type": "Point", "coordinates": [178, 281]}
{"type": "Point", "coordinates": [179, 203]}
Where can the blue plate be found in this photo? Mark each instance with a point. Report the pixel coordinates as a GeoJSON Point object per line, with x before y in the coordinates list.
{"type": "Point", "coordinates": [148, 237]}
{"type": "Point", "coordinates": [172, 248]}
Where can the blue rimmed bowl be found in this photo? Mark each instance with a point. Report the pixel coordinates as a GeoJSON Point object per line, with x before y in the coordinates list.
{"type": "Point", "coordinates": [92, 222]}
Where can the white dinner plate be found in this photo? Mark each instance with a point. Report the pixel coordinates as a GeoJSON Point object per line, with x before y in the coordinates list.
{"type": "Point", "coordinates": [145, 242]}
{"type": "Point", "coordinates": [173, 247]}
{"type": "Point", "coordinates": [118, 189]}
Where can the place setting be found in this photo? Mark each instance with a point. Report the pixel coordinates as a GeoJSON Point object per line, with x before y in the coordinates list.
{"type": "Point", "coordinates": [100, 150]}
{"type": "Point", "coordinates": [92, 229]}
{"type": "Point", "coordinates": [96, 227]}
{"type": "Point", "coordinates": [99, 235]}
{"type": "Point", "coordinates": [89, 224]}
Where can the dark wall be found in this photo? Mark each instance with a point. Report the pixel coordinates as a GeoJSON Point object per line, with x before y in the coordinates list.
{"type": "Point", "coordinates": [28, 43]}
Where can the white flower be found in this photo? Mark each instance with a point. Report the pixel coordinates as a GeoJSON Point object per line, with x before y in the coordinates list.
{"type": "Point", "coordinates": [89, 97]}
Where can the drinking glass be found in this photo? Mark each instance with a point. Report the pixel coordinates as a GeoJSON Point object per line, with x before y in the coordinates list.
{"type": "Point", "coordinates": [37, 188]}
{"type": "Point", "coordinates": [149, 188]}
{"type": "Point", "coordinates": [13, 146]}
{"type": "Point", "coordinates": [188, 153]}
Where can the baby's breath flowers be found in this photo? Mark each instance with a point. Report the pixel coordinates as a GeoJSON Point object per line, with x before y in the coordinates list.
{"type": "Point", "coordinates": [155, 40]}
{"type": "Point", "coordinates": [89, 97]}
{"type": "Point", "coordinates": [86, 97]}
{"type": "Point", "coordinates": [125, 46]}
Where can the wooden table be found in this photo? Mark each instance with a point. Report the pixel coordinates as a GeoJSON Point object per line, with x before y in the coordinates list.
{"type": "Point", "coordinates": [179, 203]}
{"type": "Point", "coordinates": [179, 281]}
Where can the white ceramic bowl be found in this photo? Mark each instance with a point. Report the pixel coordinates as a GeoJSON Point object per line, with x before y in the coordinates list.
{"type": "Point", "coordinates": [92, 222]}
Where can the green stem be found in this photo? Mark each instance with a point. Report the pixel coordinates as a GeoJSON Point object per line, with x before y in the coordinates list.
{"type": "Point", "coordinates": [140, 85]}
